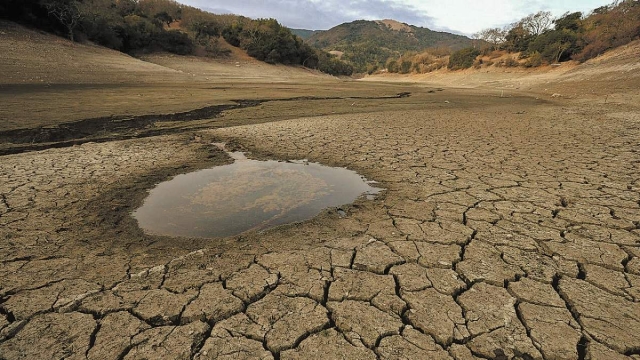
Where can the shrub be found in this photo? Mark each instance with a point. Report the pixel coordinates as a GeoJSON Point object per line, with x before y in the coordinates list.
{"type": "Point", "coordinates": [102, 33]}
{"type": "Point", "coordinates": [137, 32]}
{"type": "Point", "coordinates": [508, 62]}
{"type": "Point", "coordinates": [439, 51]}
{"type": "Point", "coordinates": [534, 60]}
{"type": "Point", "coordinates": [205, 29]}
{"type": "Point", "coordinates": [392, 66]}
{"type": "Point", "coordinates": [511, 62]}
{"type": "Point", "coordinates": [232, 34]}
{"type": "Point", "coordinates": [424, 58]}
{"type": "Point", "coordinates": [609, 27]}
{"type": "Point", "coordinates": [173, 41]}
{"type": "Point", "coordinates": [333, 66]}
{"type": "Point", "coordinates": [463, 59]}
{"type": "Point", "coordinates": [592, 50]}
{"type": "Point", "coordinates": [213, 48]}
{"type": "Point", "coordinates": [163, 17]}
{"type": "Point", "coordinates": [405, 67]}
{"type": "Point", "coordinates": [556, 45]}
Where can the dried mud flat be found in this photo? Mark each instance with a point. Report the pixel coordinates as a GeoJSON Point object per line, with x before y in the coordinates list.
{"type": "Point", "coordinates": [510, 228]}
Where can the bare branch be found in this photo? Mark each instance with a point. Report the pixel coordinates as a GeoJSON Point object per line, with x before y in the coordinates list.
{"type": "Point", "coordinates": [67, 12]}
{"type": "Point", "coordinates": [538, 23]}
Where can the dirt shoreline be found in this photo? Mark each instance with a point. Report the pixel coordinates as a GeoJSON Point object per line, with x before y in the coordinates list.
{"type": "Point", "coordinates": [139, 126]}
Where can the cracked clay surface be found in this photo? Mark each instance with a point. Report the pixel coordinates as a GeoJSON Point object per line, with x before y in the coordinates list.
{"type": "Point", "coordinates": [499, 236]}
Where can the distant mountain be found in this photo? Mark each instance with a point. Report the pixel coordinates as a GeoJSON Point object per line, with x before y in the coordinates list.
{"type": "Point", "coordinates": [305, 34]}
{"type": "Point", "coordinates": [367, 44]}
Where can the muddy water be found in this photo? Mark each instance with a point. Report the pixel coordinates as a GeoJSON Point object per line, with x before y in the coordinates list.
{"type": "Point", "coordinates": [247, 195]}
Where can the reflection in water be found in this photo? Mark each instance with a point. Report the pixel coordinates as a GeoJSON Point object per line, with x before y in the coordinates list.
{"type": "Point", "coordinates": [246, 195]}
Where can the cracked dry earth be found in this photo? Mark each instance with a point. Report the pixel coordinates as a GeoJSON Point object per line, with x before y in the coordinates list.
{"type": "Point", "coordinates": [499, 236]}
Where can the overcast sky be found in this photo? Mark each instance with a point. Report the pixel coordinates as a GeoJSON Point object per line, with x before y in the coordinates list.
{"type": "Point", "coordinates": [460, 16]}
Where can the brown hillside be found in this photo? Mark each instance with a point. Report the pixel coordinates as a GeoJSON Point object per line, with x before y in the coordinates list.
{"type": "Point", "coordinates": [612, 74]}
{"type": "Point", "coordinates": [60, 81]}
{"type": "Point", "coordinates": [33, 57]}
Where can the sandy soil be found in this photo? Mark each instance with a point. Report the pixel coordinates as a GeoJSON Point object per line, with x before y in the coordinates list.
{"type": "Point", "coordinates": [510, 228]}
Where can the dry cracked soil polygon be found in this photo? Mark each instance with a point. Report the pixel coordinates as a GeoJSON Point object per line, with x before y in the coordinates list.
{"type": "Point", "coordinates": [497, 236]}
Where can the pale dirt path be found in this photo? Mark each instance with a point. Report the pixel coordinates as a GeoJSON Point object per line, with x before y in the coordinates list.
{"type": "Point", "coordinates": [509, 229]}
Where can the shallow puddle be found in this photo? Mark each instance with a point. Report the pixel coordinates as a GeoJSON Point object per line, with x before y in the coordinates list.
{"type": "Point", "coordinates": [247, 195]}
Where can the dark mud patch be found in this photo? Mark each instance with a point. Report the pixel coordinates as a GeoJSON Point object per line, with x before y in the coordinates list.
{"type": "Point", "coordinates": [113, 126]}
{"type": "Point", "coordinates": [121, 127]}
{"type": "Point", "coordinates": [109, 214]}
{"type": "Point", "coordinates": [106, 222]}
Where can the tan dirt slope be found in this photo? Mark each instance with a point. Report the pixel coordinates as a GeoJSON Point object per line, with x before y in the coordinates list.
{"type": "Point", "coordinates": [615, 74]}
{"type": "Point", "coordinates": [33, 57]}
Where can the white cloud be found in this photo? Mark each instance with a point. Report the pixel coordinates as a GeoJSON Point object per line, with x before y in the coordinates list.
{"type": "Point", "coordinates": [471, 16]}
{"type": "Point", "coordinates": [462, 16]}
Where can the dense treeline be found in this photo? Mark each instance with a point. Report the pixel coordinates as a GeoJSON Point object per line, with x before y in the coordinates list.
{"type": "Point", "coordinates": [125, 25]}
{"type": "Point", "coordinates": [267, 40]}
{"type": "Point", "coordinates": [542, 39]}
{"type": "Point", "coordinates": [134, 26]}
{"type": "Point", "coordinates": [535, 40]}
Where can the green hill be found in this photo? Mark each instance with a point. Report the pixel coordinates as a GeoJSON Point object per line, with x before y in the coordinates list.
{"type": "Point", "coordinates": [368, 44]}
{"type": "Point", "coordinates": [304, 34]}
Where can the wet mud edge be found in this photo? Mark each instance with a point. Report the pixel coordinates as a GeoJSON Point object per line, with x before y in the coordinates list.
{"type": "Point", "coordinates": [122, 127]}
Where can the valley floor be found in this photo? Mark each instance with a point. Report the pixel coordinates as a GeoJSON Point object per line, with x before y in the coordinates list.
{"type": "Point", "coordinates": [509, 228]}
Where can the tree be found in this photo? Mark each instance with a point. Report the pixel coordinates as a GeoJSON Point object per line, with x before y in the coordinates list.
{"type": "Point", "coordinates": [608, 27]}
{"type": "Point", "coordinates": [126, 7]}
{"type": "Point", "coordinates": [137, 32]}
{"type": "Point", "coordinates": [463, 59]}
{"type": "Point", "coordinates": [205, 29]}
{"type": "Point", "coordinates": [164, 17]}
{"type": "Point", "coordinates": [556, 45]}
{"type": "Point", "coordinates": [537, 23]}
{"type": "Point", "coordinates": [405, 66]}
{"type": "Point", "coordinates": [518, 38]}
{"type": "Point", "coordinates": [494, 36]}
{"type": "Point", "coordinates": [569, 21]}
{"type": "Point", "coordinates": [67, 12]}
{"type": "Point", "coordinates": [392, 66]}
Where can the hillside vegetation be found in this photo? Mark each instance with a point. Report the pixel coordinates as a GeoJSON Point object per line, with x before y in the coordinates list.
{"type": "Point", "coordinates": [304, 34]}
{"type": "Point", "coordinates": [367, 45]}
{"type": "Point", "coordinates": [536, 40]}
{"type": "Point", "coordinates": [144, 26]}
{"type": "Point", "coordinates": [573, 36]}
